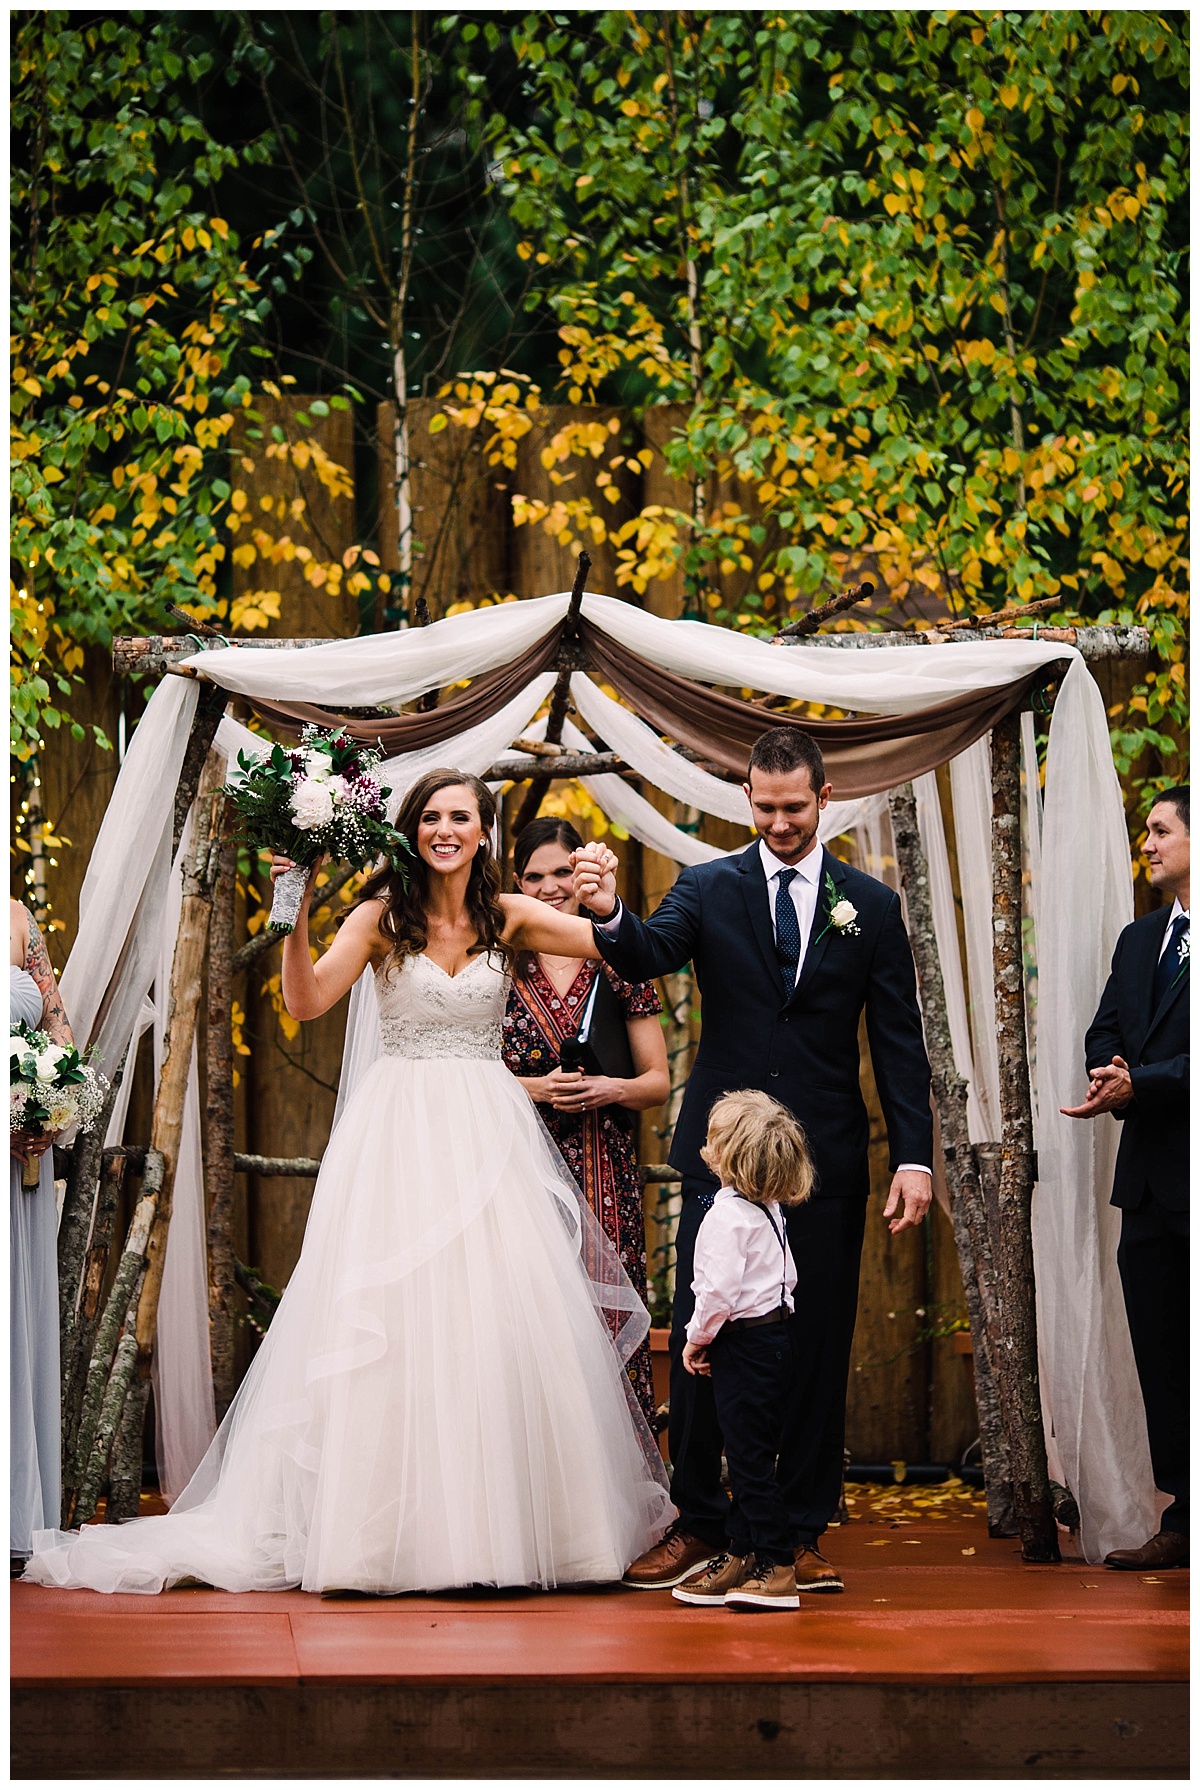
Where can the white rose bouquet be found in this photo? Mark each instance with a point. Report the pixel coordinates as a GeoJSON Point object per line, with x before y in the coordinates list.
{"type": "Point", "coordinates": [321, 797]}
{"type": "Point", "coordinates": [50, 1088]}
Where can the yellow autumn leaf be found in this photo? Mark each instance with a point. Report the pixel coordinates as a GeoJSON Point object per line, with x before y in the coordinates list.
{"type": "Point", "coordinates": [1009, 96]}
{"type": "Point", "coordinates": [975, 118]}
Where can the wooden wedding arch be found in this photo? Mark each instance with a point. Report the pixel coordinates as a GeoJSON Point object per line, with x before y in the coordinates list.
{"type": "Point", "coordinates": [108, 1336]}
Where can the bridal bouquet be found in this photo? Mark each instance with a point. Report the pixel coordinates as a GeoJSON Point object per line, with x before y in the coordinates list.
{"type": "Point", "coordinates": [320, 797]}
{"type": "Point", "coordinates": [50, 1088]}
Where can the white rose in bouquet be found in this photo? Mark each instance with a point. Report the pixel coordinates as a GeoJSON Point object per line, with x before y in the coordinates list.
{"type": "Point", "coordinates": [312, 804]}
{"type": "Point", "coordinates": [317, 765]}
{"type": "Point", "coordinates": [47, 1063]}
{"type": "Point", "coordinates": [337, 787]}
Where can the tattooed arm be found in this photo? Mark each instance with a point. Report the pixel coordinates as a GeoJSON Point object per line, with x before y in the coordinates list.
{"type": "Point", "coordinates": [37, 962]}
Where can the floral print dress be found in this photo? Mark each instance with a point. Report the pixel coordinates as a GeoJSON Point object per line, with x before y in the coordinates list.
{"type": "Point", "coordinates": [598, 1147]}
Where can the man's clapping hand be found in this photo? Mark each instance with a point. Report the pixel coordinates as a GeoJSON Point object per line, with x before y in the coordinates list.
{"type": "Point", "coordinates": [594, 884]}
{"type": "Point", "coordinates": [1110, 1089]}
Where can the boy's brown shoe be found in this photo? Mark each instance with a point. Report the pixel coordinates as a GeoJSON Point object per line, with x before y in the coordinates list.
{"type": "Point", "coordinates": [712, 1583]}
{"type": "Point", "coordinates": [765, 1587]}
{"type": "Point", "coordinates": [813, 1571]}
{"type": "Point", "coordinates": [669, 1561]}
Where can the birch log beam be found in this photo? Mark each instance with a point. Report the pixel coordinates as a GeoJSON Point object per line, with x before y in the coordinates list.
{"type": "Point", "coordinates": [967, 1215]}
{"type": "Point", "coordinates": [1017, 1366]}
{"type": "Point", "coordinates": [219, 1169]}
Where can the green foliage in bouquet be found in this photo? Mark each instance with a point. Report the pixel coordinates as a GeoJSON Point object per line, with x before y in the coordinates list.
{"type": "Point", "coordinates": [321, 797]}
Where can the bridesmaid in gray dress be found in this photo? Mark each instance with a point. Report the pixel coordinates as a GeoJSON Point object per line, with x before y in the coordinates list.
{"type": "Point", "coordinates": [34, 1412]}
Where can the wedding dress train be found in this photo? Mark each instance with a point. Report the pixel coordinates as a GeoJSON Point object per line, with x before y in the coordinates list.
{"type": "Point", "coordinates": [440, 1399]}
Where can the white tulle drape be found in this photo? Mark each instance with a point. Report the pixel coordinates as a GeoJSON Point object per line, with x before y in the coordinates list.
{"type": "Point", "coordinates": [1080, 897]}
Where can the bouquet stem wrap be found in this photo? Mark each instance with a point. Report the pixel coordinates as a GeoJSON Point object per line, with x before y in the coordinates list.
{"type": "Point", "coordinates": [289, 893]}
{"type": "Point", "coordinates": [31, 1173]}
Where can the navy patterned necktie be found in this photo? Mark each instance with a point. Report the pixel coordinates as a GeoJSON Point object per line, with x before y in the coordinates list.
{"type": "Point", "coordinates": [787, 930]}
{"type": "Point", "coordinates": [1171, 961]}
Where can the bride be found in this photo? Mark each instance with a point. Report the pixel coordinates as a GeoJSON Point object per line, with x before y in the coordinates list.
{"type": "Point", "coordinates": [440, 1400]}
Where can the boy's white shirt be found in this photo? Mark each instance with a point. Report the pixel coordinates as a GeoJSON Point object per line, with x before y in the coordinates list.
{"type": "Point", "coordinates": [739, 1270]}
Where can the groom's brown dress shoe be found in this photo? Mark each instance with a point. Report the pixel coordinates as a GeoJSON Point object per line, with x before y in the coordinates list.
{"type": "Point", "coordinates": [1164, 1549]}
{"type": "Point", "coordinates": [670, 1561]}
{"type": "Point", "coordinates": [813, 1571]}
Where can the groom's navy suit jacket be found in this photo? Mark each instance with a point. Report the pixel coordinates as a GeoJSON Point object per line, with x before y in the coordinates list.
{"type": "Point", "coordinates": [800, 1047]}
{"type": "Point", "coordinates": [1153, 1038]}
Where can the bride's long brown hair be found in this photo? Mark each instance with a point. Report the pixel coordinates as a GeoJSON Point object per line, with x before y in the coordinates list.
{"type": "Point", "coordinates": [404, 919]}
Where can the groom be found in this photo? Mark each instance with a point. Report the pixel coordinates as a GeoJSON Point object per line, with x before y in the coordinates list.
{"type": "Point", "coordinates": [790, 947]}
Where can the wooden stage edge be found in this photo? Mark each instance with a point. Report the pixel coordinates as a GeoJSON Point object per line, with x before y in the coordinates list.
{"type": "Point", "coordinates": [946, 1657]}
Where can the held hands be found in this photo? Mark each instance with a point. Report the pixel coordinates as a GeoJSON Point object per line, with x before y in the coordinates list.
{"type": "Point", "coordinates": [571, 1092]}
{"type": "Point", "coordinates": [1110, 1089]}
{"type": "Point", "coordinates": [695, 1359]}
{"type": "Point", "coordinates": [595, 881]}
{"type": "Point", "coordinates": [914, 1189]}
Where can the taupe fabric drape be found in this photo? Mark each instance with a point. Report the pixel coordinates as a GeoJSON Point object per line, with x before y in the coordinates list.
{"type": "Point", "coordinates": [411, 733]}
{"type": "Point", "coordinates": [870, 753]}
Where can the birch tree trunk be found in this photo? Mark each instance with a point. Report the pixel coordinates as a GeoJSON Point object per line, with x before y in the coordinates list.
{"type": "Point", "coordinates": [967, 1213]}
{"type": "Point", "coordinates": [1017, 1364]}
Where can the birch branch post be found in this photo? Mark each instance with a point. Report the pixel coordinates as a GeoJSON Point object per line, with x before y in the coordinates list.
{"type": "Point", "coordinates": [219, 1168]}
{"type": "Point", "coordinates": [559, 701]}
{"type": "Point", "coordinates": [83, 1340]}
{"type": "Point", "coordinates": [108, 1391]}
{"type": "Point", "coordinates": [1017, 1363]}
{"type": "Point", "coordinates": [77, 1225]}
{"type": "Point", "coordinates": [967, 1215]}
{"type": "Point", "coordinates": [82, 1485]}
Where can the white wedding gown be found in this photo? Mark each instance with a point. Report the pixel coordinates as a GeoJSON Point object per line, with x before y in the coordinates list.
{"type": "Point", "coordinates": [440, 1399]}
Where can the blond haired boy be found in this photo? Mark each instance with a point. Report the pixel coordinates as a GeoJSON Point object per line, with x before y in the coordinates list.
{"type": "Point", "coordinates": [743, 1281]}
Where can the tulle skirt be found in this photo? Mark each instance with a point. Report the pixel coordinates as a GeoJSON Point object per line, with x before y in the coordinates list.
{"type": "Point", "coordinates": [440, 1400]}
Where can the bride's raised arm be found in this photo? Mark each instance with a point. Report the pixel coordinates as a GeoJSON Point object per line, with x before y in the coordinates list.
{"type": "Point", "coordinates": [533, 926]}
{"type": "Point", "coordinates": [310, 989]}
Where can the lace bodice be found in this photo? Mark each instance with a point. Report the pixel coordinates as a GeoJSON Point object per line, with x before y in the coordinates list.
{"type": "Point", "coordinates": [424, 1012]}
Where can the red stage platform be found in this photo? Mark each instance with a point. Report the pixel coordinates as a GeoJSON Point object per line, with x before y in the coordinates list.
{"type": "Point", "coordinates": [945, 1657]}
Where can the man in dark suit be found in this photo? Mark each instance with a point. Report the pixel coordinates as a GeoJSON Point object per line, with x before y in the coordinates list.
{"type": "Point", "coordinates": [1137, 1054]}
{"type": "Point", "coordinates": [790, 946]}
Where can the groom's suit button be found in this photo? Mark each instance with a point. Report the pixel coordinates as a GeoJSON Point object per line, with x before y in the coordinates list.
{"type": "Point", "coordinates": [774, 1072]}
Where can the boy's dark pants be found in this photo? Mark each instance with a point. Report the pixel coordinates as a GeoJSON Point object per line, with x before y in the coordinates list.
{"type": "Point", "coordinates": [753, 1374]}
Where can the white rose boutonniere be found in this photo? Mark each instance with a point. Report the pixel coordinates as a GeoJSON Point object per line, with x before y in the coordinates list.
{"type": "Point", "coordinates": [841, 914]}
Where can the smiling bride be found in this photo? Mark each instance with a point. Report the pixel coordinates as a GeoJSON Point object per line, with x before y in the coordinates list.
{"type": "Point", "coordinates": [440, 1400]}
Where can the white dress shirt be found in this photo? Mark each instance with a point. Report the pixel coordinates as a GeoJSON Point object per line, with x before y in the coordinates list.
{"type": "Point", "coordinates": [743, 1267]}
{"type": "Point", "coordinates": [1173, 916]}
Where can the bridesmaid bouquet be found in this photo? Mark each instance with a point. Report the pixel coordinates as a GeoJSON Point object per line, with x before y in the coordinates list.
{"type": "Point", "coordinates": [50, 1088]}
{"type": "Point", "coordinates": [303, 802]}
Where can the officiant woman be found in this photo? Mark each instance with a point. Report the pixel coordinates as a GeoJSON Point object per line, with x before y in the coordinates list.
{"type": "Point", "coordinates": [590, 1116]}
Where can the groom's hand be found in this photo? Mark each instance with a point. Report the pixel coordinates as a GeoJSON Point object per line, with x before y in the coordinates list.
{"type": "Point", "coordinates": [913, 1189]}
{"type": "Point", "coordinates": [594, 884]}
